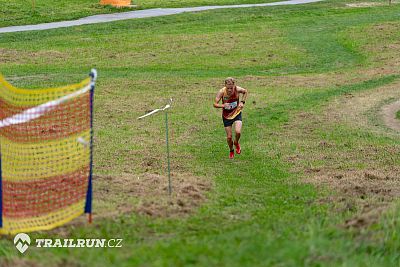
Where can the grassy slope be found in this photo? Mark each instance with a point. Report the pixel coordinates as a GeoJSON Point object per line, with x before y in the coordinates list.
{"type": "Point", "coordinates": [258, 213]}
{"type": "Point", "coordinates": [21, 12]}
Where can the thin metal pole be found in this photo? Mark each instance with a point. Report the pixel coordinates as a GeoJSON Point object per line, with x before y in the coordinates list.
{"type": "Point", "coordinates": [169, 168]}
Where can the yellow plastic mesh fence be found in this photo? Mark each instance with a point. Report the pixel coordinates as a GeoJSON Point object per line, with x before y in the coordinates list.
{"type": "Point", "coordinates": [45, 155]}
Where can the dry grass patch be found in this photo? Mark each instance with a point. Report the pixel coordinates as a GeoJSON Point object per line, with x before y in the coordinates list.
{"type": "Point", "coordinates": [12, 56]}
{"type": "Point", "coordinates": [16, 262]}
{"type": "Point", "coordinates": [389, 114]}
{"type": "Point", "coordinates": [145, 194]}
{"type": "Point", "coordinates": [148, 194]}
{"type": "Point", "coordinates": [366, 110]}
{"type": "Point", "coordinates": [364, 175]}
{"type": "Point", "coordinates": [380, 43]}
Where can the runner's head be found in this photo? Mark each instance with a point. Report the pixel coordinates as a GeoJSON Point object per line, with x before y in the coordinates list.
{"type": "Point", "coordinates": [229, 83]}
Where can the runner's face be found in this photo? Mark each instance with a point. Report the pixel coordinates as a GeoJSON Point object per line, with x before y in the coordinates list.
{"type": "Point", "coordinates": [229, 87]}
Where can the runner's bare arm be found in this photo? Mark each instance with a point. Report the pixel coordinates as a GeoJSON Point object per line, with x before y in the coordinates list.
{"type": "Point", "coordinates": [218, 98]}
{"type": "Point", "coordinates": [244, 93]}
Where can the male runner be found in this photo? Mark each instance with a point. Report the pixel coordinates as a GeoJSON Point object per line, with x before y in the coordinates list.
{"type": "Point", "coordinates": [232, 108]}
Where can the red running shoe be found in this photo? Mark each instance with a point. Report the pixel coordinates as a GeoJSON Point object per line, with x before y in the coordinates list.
{"type": "Point", "coordinates": [238, 149]}
{"type": "Point", "coordinates": [231, 154]}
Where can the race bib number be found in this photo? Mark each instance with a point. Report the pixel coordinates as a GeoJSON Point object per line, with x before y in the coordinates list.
{"type": "Point", "coordinates": [231, 105]}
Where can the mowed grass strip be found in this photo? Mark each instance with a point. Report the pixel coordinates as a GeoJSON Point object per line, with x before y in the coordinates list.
{"type": "Point", "coordinates": [258, 213]}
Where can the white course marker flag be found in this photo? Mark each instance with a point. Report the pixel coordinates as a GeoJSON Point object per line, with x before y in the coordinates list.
{"type": "Point", "coordinates": [156, 110]}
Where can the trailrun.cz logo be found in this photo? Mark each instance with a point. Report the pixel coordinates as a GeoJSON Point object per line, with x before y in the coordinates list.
{"type": "Point", "coordinates": [22, 242]}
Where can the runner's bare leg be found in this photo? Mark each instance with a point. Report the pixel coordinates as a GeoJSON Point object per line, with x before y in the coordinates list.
{"type": "Point", "coordinates": [229, 140]}
{"type": "Point", "coordinates": [238, 131]}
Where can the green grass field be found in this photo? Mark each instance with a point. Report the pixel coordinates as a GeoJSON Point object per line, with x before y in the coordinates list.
{"type": "Point", "coordinates": [316, 184]}
{"type": "Point", "coordinates": [24, 12]}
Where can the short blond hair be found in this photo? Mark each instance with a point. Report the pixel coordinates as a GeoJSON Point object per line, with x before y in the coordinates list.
{"type": "Point", "coordinates": [229, 80]}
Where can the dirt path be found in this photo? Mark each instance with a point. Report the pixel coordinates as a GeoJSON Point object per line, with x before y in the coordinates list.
{"type": "Point", "coordinates": [389, 115]}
